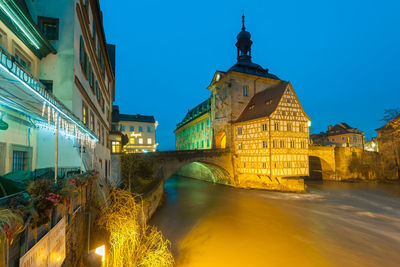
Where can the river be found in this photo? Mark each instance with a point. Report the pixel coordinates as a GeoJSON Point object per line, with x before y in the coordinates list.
{"type": "Point", "coordinates": [335, 224]}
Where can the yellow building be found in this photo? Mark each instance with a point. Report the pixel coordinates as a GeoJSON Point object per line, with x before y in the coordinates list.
{"type": "Point", "coordinates": [194, 132]}
{"type": "Point", "coordinates": [257, 116]}
{"type": "Point", "coordinates": [271, 135]}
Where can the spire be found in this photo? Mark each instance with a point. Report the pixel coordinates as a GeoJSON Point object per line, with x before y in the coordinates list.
{"type": "Point", "coordinates": [243, 44]}
{"type": "Point", "coordinates": [243, 27]}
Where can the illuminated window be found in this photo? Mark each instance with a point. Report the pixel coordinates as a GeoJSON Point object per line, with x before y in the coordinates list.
{"type": "Point", "coordinates": [276, 126]}
{"type": "Point", "coordinates": [264, 127]}
{"type": "Point", "coordinates": [289, 164]}
{"type": "Point", "coordinates": [245, 90]}
{"type": "Point", "coordinates": [132, 128]}
{"type": "Point", "coordinates": [92, 122]}
{"type": "Point", "coordinates": [301, 128]}
{"type": "Point", "coordinates": [289, 127]}
{"type": "Point", "coordinates": [141, 141]}
{"type": "Point", "coordinates": [149, 141]}
{"type": "Point", "coordinates": [132, 140]}
{"type": "Point", "coordinates": [282, 144]}
{"type": "Point", "coordinates": [274, 144]}
{"type": "Point", "coordinates": [292, 144]}
{"type": "Point", "coordinates": [303, 144]}
{"type": "Point", "coordinates": [240, 146]}
{"type": "Point", "coordinates": [265, 144]}
{"type": "Point", "coordinates": [239, 130]}
{"type": "Point", "coordinates": [115, 147]}
{"type": "Point", "coordinates": [84, 114]}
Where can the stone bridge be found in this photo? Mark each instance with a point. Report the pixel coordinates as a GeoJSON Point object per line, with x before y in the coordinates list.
{"type": "Point", "coordinates": [209, 164]}
{"type": "Point", "coordinates": [331, 163]}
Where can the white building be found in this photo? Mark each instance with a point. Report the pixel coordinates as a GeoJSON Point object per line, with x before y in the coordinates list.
{"type": "Point", "coordinates": [54, 70]}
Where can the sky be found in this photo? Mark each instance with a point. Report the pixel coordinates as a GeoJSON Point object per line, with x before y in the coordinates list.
{"type": "Point", "coordinates": [342, 57]}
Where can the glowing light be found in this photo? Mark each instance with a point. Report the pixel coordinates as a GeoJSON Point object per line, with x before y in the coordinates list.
{"type": "Point", "coordinates": [19, 25]}
{"type": "Point", "coordinates": [101, 251]}
{"type": "Point", "coordinates": [309, 123]}
{"type": "Point", "coordinates": [55, 108]}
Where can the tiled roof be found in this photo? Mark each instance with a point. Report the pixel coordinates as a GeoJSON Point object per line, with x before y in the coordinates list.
{"type": "Point", "coordinates": [263, 103]}
{"type": "Point", "coordinates": [137, 117]}
{"type": "Point", "coordinates": [249, 67]}
{"type": "Point", "coordinates": [343, 128]}
{"type": "Point", "coordinates": [196, 112]}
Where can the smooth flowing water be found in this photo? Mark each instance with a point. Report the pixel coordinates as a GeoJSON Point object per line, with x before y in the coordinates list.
{"type": "Point", "coordinates": [335, 224]}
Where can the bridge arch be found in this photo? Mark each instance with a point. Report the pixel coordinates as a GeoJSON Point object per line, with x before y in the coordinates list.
{"type": "Point", "coordinates": [220, 140]}
{"type": "Point", "coordinates": [322, 163]}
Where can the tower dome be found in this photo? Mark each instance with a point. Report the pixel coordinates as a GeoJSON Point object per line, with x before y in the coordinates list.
{"type": "Point", "coordinates": [243, 44]}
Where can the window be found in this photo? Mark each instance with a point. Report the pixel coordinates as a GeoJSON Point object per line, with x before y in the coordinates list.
{"type": "Point", "coordinates": [274, 144]}
{"type": "Point", "coordinates": [148, 129]}
{"type": "Point", "coordinates": [115, 147]}
{"type": "Point", "coordinates": [48, 85]}
{"type": "Point", "coordinates": [245, 90]}
{"type": "Point", "coordinates": [303, 144]}
{"type": "Point", "coordinates": [122, 128]}
{"type": "Point", "coordinates": [202, 125]}
{"type": "Point", "coordinates": [81, 51]}
{"type": "Point", "coordinates": [197, 144]}
{"type": "Point", "coordinates": [264, 165]}
{"type": "Point", "coordinates": [197, 126]}
{"type": "Point", "coordinates": [92, 122]}
{"type": "Point", "coordinates": [225, 92]}
{"type": "Point", "coordinates": [208, 142]}
{"type": "Point", "coordinates": [202, 143]}
{"type": "Point", "coordinates": [22, 60]}
{"type": "Point", "coordinates": [268, 102]}
{"type": "Point", "coordinates": [132, 140]}
{"type": "Point", "coordinates": [301, 128]}
{"type": "Point", "coordinates": [265, 144]}
{"type": "Point", "coordinates": [289, 101]}
{"type": "Point", "coordinates": [90, 75]}
{"type": "Point", "coordinates": [292, 144]}
{"type": "Point", "coordinates": [20, 160]}
{"type": "Point", "coordinates": [283, 113]}
{"type": "Point", "coordinates": [289, 127]}
{"type": "Point", "coordinates": [276, 126]}
{"type": "Point", "coordinates": [141, 141]}
{"type": "Point", "coordinates": [84, 114]}
{"type": "Point", "coordinates": [149, 141]}
{"type": "Point", "coordinates": [208, 123]}
{"type": "Point", "coordinates": [3, 39]}
{"type": "Point", "coordinates": [282, 144]}
{"type": "Point", "coordinates": [94, 33]}
{"type": "Point", "coordinates": [239, 130]}
{"type": "Point", "coordinates": [264, 127]}
{"type": "Point", "coordinates": [294, 113]}
{"type": "Point", "coordinates": [140, 129]}
{"type": "Point", "coordinates": [49, 27]}
{"type": "Point", "coordinates": [131, 128]}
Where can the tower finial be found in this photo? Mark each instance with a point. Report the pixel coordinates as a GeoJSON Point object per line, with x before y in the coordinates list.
{"type": "Point", "coordinates": [243, 27]}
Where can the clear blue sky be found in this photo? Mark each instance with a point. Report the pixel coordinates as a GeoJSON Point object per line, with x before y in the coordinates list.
{"type": "Point", "coordinates": [342, 57]}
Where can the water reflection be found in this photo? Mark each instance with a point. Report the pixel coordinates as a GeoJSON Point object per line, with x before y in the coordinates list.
{"type": "Point", "coordinates": [335, 225]}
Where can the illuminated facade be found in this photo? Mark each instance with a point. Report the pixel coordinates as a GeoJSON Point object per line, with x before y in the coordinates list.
{"type": "Point", "coordinates": [138, 131]}
{"type": "Point", "coordinates": [194, 132]}
{"type": "Point", "coordinates": [57, 86]}
{"type": "Point", "coordinates": [257, 116]}
{"type": "Point", "coordinates": [340, 135]}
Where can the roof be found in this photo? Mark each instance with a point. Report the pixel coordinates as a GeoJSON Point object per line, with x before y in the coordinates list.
{"type": "Point", "coordinates": [342, 128]}
{"type": "Point", "coordinates": [249, 67]}
{"type": "Point", "coordinates": [263, 103]}
{"type": "Point", "coordinates": [137, 117]}
{"type": "Point", "coordinates": [389, 124]}
{"type": "Point", "coordinates": [195, 112]}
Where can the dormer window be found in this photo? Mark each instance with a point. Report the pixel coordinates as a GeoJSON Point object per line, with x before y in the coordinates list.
{"type": "Point", "coordinates": [49, 28]}
{"type": "Point", "coordinates": [251, 107]}
{"type": "Point", "coordinates": [268, 102]}
{"type": "Point", "coordinates": [245, 93]}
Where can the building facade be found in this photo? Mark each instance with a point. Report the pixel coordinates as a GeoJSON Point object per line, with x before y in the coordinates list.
{"type": "Point", "coordinates": [257, 116]}
{"type": "Point", "coordinates": [340, 135]}
{"type": "Point", "coordinates": [57, 77]}
{"type": "Point", "coordinates": [194, 131]}
{"type": "Point", "coordinates": [132, 133]}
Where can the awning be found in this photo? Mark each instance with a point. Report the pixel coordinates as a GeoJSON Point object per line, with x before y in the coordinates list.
{"type": "Point", "coordinates": [20, 91]}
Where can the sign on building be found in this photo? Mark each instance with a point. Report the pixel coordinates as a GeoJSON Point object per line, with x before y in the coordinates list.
{"type": "Point", "coordinates": [49, 251]}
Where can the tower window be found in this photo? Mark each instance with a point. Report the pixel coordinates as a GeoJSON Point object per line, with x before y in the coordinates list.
{"type": "Point", "coordinates": [245, 91]}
